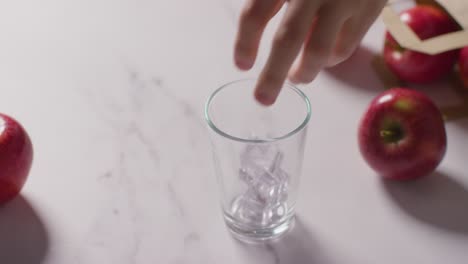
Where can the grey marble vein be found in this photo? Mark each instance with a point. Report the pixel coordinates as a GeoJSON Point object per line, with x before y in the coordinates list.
{"type": "Point", "coordinates": [188, 110]}
{"type": "Point", "coordinates": [175, 200]}
{"type": "Point", "coordinates": [131, 195]}
{"type": "Point", "coordinates": [99, 237]}
{"type": "Point", "coordinates": [134, 128]}
{"type": "Point", "coordinates": [105, 176]}
{"type": "Point", "coordinates": [273, 253]}
{"type": "Point", "coordinates": [190, 238]}
{"type": "Point", "coordinates": [125, 115]}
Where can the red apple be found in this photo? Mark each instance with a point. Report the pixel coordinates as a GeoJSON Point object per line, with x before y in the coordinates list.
{"type": "Point", "coordinates": [463, 66]}
{"type": "Point", "coordinates": [416, 67]}
{"type": "Point", "coordinates": [402, 134]}
{"type": "Point", "coordinates": [16, 155]}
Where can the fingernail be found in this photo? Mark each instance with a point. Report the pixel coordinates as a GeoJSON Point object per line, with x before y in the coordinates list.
{"type": "Point", "coordinates": [264, 98]}
{"type": "Point", "coordinates": [292, 78]}
{"type": "Point", "coordinates": [332, 62]}
{"type": "Point", "coordinates": [243, 63]}
{"type": "Point", "coordinates": [302, 79]}
{"type": "Point", "coordinates": [293, 75]}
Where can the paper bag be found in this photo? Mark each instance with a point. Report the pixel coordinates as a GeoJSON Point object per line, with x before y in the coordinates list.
{"type": "Point", "coordinates": [457, 9]}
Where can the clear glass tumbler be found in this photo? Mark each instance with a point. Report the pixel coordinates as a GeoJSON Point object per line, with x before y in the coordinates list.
{"type": "Point", "coordinates": [258, 153]}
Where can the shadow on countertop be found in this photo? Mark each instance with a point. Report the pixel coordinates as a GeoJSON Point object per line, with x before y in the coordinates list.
{"type": "Point", "coordinates": [23, 236]}
{"type": "Point", "coordinates": [358, 71]}
{"type": "Point", "coordinates": [463, 124]}
{"type": "Point", "coordinates": [437, 200]}
{"type": "Point", "coordinates": [298, 246]}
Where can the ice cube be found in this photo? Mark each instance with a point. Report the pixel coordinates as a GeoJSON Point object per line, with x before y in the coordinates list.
{"type": "Point", "coordinates": [282, 178]}
{"type": "Point", "coordinates": [248, 209]}
{"type": "Point", "coordinates": [262, 155]}
{"type": "Point", "coordinates": [268, 187]}
{"type": "Point", "coordinates": [280, 175]}
{"type": "Point", "coordinates": [277, 192]}
{"type": "Point", "coordinates": [275, 212]}
{"type": "Point", "coordinates": [257, 160]}
{"type": "Point", "coordinates": [261, 171]}
{"type": "Point", "coordinates": [276, 164]}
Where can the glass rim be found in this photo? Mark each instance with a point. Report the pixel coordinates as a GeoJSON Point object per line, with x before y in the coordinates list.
{"type": "Point", "coordinates": [244, 140]}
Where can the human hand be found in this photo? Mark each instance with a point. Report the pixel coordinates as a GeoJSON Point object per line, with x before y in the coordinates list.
{"type": "Point", "coordinates": [319, 33]}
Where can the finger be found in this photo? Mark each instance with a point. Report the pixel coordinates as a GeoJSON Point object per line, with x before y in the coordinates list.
{"type": "Point", "coordinates": [253, 20]}
{"type": "Point", "coordinates": [353, 31]}
{"type": "Point", "coordinates": [349, 39]}
{"type": "Point", "coordinates": [286, 45]}
{"type": "Point", "coordinates": [319, 45]}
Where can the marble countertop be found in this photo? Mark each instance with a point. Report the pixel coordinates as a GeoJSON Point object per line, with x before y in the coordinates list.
{"type": "Point", "coordinates": [112, 94]}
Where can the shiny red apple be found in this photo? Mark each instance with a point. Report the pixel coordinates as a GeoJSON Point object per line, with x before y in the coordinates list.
{"type": "Point", "coordinates": [402, 134]}
{"type": "Point", "coordinates": [463, 66]}
{"type": "Point", "coordinates": [16, 155]}
{"type": "Point", "coordinates": [416, 67]}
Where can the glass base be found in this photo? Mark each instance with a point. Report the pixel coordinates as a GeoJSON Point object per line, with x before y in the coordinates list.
{"type": "Point", "coordinates": [259, 235]}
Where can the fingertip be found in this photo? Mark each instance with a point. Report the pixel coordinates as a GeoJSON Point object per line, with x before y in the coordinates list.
{"type": "Point", "coordinates": [292, 77]}
{"type": "Point", "coordinates": [309, 78]}
{"type": "Point", "coordinates": [301, 76]}
{"type": "Point", "coordinates": [334, 61]}
{"type": "Point", "coordinates": [243, 63]}
{"type": "Point", "coordinates": [264, 98]}
{"type": "Point", "coordinates": [243, 57]}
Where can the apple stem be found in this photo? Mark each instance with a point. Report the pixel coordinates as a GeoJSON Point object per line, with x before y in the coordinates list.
{"type": "Point", "coordinates": [391, 135]}
{"type": "Point", "coordinates": [386, 133]}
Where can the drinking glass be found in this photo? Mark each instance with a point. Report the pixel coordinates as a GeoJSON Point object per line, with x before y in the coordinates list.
{"type": "Point", "coordinates": [258, 153]}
